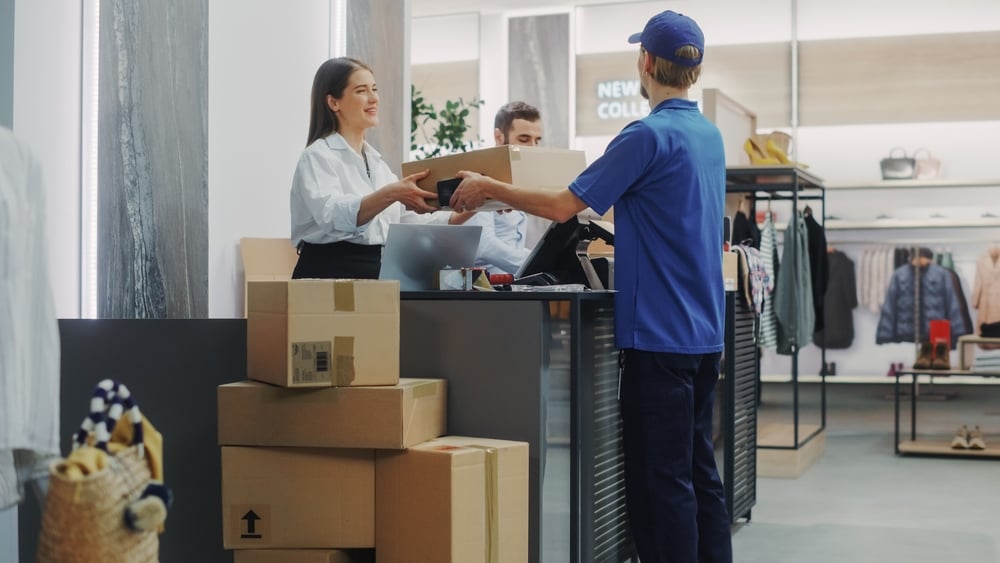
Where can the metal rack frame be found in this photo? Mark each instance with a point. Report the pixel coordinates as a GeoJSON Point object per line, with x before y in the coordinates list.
{"type": "Point", "coordinates": [786, 183]}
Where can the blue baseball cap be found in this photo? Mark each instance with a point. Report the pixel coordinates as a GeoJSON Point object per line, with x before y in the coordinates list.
{"type": "Point", "coordinates": [668, 31]}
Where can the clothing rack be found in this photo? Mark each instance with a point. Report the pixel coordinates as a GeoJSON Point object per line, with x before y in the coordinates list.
{"type": "Point", "coordinates": [792, 184]}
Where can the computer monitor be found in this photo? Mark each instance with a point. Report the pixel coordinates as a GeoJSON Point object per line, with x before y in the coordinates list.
{"type": "Point", "coordinates": [561, 255]}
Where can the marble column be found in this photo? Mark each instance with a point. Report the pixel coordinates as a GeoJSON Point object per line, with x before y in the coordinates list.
{"type": "Point", "coordinates": [6, 63]}
{"type": "Point", "coordinates": [539, 71]}
{"type": "Point", "coordinates": [153, 169]}
{"type": "Point", "coordinates": [378, 33]}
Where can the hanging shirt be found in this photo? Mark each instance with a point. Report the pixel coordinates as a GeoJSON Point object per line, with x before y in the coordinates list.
{"type": "Point", "coordinates": [29, 334]}
{"type": "Point", "coordinates": [793, 304]}
{"type": "Point", "coordinates": [768, 257]}
{"type": "Point", "coordinates": [986, 287]}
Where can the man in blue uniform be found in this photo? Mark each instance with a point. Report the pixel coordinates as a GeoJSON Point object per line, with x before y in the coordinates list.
{"type": "Point", "coordinates": [665, 175]}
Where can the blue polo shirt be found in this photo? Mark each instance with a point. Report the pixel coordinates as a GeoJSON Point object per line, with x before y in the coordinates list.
{"type": "Point", "coordinates": [666, 176]}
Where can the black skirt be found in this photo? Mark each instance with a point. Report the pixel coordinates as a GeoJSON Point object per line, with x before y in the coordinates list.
{"type": "Point", "coordinates": [338, 260]}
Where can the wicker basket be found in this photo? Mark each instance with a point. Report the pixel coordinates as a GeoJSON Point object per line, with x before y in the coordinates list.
{"type": "Point", "coordinates": [84, 517]}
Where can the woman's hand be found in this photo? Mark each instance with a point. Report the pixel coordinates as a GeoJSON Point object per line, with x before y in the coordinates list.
{"type": "Point", "coordinates": [472, 193]}
{"type": "Point", "coordinates": [407, 192]}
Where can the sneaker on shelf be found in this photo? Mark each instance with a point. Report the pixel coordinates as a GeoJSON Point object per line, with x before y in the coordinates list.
{"type": "Point", "coordinates": [976, 441]}
{"type": "Point", "coordinates": [961, 439]}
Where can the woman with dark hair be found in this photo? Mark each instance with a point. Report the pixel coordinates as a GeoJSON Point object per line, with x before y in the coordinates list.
{"type": "Point", "coordinates": [344, 196]}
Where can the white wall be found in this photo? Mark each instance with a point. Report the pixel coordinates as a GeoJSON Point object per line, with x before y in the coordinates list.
{"type": "Point", "coordinates": [262, 56]}
{"type": "Point", "coordinates": [47, 118]}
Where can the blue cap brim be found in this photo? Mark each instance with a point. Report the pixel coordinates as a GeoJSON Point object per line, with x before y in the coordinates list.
{"type": "Point", "coordinates": [635, 37]}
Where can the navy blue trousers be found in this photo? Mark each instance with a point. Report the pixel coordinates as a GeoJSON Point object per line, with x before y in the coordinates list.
{"type": "Point", "coordinates": [676, 500]}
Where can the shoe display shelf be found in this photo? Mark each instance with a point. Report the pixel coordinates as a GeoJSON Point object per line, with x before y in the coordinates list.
{"type": "Point", "coordinates": [785, 450]}
{"type": "Point", "coordinates": [939, 445]}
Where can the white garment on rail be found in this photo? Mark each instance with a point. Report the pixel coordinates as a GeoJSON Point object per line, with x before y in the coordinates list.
{"type": "Point", "coordinates": [29, 335]}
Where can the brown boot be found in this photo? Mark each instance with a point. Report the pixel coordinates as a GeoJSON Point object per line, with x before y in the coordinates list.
{"type": "Point", "coordinates": [941, 359]}
{"type": "Point", "coordinates": [925, 357]}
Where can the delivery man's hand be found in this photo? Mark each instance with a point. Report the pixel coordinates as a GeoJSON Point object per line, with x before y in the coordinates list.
{"type": "Point", "coordinates": [472, 193]}
{"type": "Point", "coordinates": [405, 191]}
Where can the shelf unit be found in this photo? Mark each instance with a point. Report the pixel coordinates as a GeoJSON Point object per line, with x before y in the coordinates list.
{"type": "Point", "coordinates": [929, 446]}
{"type": "Point", "coordinates": [792, 184]}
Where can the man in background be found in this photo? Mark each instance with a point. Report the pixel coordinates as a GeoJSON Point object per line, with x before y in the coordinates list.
{"type": "Point", "coordinates": [505, 234]}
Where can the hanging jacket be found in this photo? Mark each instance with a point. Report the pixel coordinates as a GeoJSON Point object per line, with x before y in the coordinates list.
{"type": "Point", "coordinates": [818, 266]}
{"type": "Point", "coordinates": [839, 303]}
{"type": "Point", "coordinates": [938, 300]}
{"type": "Point", "coordinates": [745, 231]}
{"type": "Point", "coordinates": [986, 288]}
{"type": "Point", "coordinates": [793, 300]}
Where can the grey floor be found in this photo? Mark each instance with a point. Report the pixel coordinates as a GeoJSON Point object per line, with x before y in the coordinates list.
{"type": "Point", "coordinates": [862, 503]}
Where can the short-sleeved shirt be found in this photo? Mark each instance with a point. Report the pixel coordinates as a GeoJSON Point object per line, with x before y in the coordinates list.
{"type": "Point", "coordinates": [666, 176]}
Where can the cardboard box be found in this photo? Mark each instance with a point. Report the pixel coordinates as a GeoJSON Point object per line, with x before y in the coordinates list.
{"type": "Point", "coordinates": [533, 167]}
{"type": "Point", "coordinates": [297, 498]}
{"type": "Point", "coordinates": [321, 333]}
{"type": "Point", "coordinates": [453, 500]}
{"type": "Point", "coordinates": [304, 556]}
{"type": "Point", "coordinates": [730, 270]}
{"type": "Point", "coordinates": [391, 417]}
{"type": "Point", "coordinates": [266, 259]}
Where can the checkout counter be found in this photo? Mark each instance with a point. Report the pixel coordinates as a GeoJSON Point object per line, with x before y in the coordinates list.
{"type": "Point", "coordinates": [539, 367]}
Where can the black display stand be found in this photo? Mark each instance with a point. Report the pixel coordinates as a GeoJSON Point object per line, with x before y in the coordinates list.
{"type": "Point", "coordinates": [791, 184]}
{"type": "Point", "coordinates": [930, 446]}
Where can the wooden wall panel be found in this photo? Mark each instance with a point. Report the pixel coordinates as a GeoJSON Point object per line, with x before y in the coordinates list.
{"type": "Point", "coordinates": [910, 79]}
{"type": "Point", "coordinates": [757, 76]}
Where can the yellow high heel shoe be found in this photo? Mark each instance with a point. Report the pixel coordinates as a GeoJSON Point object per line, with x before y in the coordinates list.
{"type": "Point", "coordinates": [758, 154]}
{"type": "Point", "coordinates": [780, 152]}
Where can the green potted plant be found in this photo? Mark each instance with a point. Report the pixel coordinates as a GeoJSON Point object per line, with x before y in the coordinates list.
{"type": "Point", "coordinates": [439, 132]}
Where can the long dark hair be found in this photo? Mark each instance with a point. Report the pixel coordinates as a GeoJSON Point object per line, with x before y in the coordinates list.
{"type": "Point", "coordinates": [331, 79]}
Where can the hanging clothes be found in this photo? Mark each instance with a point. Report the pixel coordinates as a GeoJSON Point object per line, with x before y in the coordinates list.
{"type": "Point", "coordinates": [986, 287]}
{"type": "Point", "coordinates": [938, 300]}
{"type": "Point", "coordinates": [756, 284]}
{"type": "Point", "coordinates": [948, 263]}
{"type": "Point", "coordinates": [769, 258]}
{"type": "Point", "coordinates": [745, 231]}
{"type": "Point", "coordinates": [29, 335]}
{"type": "Point", "coordinates": [818, 266]}
{"type": "Point", "coordinates": [839, 302]}
{"type": "Point", "coordinates": [793, 297]}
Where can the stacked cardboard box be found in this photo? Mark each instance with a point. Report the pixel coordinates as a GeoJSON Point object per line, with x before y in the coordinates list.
{"type": "Point", "coordinates": [327, 453]}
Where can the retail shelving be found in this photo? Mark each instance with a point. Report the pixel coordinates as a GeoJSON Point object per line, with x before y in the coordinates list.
{"type": "Point", "coordinates": [792, 184]}
{"type": "Point", "coordinates": [932, 446]}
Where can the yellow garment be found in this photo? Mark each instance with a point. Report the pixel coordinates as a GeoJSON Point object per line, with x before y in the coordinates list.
{"type": "Point", "coordinates": [121, 438]}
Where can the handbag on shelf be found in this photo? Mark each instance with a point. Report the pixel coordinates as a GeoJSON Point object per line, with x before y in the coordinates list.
{"type": "Point", "coordinates": [896, 167]}
{"type": "Point", "coordinates": [93, 492]}
{"type": "Point", "coordinates": [926, 168]}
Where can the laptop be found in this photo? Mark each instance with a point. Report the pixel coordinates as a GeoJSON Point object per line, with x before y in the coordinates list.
{"type": "Point", "coordinates": [415, 253]}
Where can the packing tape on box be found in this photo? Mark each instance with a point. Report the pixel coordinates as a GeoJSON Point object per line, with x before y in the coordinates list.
{"type": "Point", "coordinates": [492, 501]}
{"type": "Point", "coordinates": [343, 360]}
{"type": "Point", "coordinates": [343, 296]}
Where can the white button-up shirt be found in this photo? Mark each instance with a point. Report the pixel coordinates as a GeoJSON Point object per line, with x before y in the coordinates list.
{"type": "Point", "coordinates": [330, 180]}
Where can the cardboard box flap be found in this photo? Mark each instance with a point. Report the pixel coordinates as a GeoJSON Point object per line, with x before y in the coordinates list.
{"type": "Point", "coordinates": [268, 258]}
{"type": "Point", "coordinates": [267, 296]}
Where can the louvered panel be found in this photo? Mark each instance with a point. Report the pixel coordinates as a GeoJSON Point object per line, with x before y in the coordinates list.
{"type": "Point", "coordinates": [610, 533]}
{"type": "Point", "coordinates": [741, 409]}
